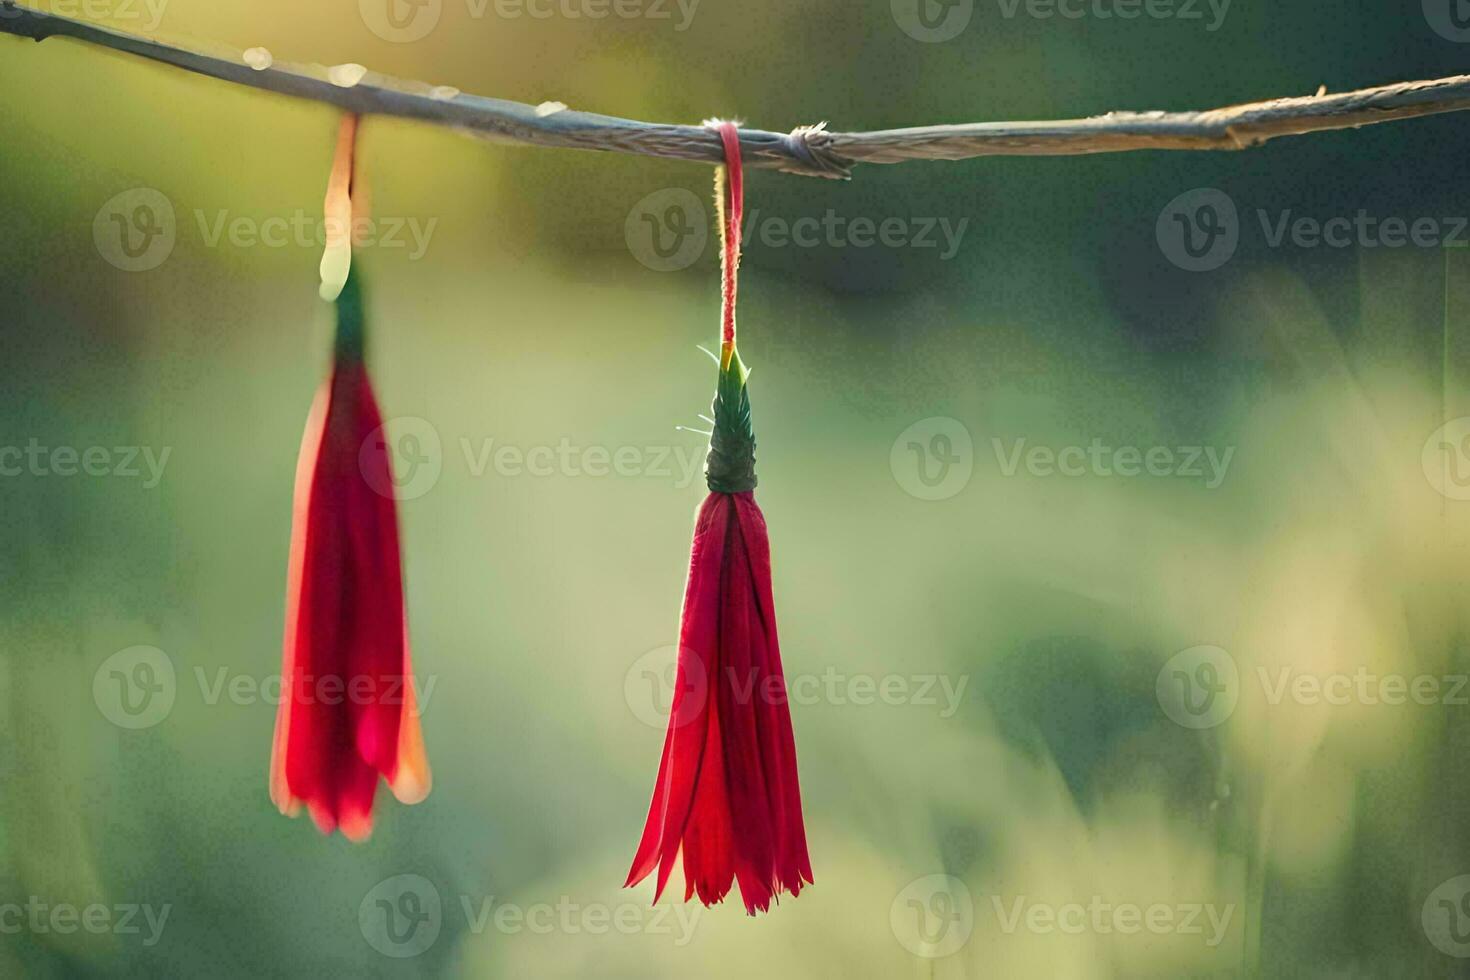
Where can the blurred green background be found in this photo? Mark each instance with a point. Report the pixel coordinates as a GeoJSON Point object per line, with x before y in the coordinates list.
{"type": "Point", "coordinates": [541, 607]}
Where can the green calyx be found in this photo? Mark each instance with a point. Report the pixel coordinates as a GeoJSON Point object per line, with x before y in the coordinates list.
{"type": "Point", "coordinates": [730, 465]}
{"type": "Point", "coordinates": [351, 327]}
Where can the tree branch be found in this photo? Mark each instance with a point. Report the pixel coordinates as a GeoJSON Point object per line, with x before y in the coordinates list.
{"type": "Point", "coordinates": [807, 150]}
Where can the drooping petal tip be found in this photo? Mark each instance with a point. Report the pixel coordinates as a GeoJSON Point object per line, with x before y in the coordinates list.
{"type": "Point", "coordinates": [727, 797]}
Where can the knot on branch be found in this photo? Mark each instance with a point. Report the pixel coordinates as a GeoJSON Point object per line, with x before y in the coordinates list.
{"type": "Point", "coordinates": [811, 147]}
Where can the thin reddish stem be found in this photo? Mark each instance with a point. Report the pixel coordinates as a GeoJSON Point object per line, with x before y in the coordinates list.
{"type": "Point", "coordinates": [732, 213]}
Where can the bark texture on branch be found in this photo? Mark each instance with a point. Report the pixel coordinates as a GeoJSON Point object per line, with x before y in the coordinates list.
{"type": "Point", "coordinates": [807, 150]}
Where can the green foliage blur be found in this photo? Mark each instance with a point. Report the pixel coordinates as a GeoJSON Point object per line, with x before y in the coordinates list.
{"type": "Point", "coordinates": [542, 598]}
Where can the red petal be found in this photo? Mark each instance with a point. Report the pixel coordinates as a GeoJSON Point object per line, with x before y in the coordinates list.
{"type": "Point", "coordinates": [684, 744]}
{"type": "Point", "coordinates": [347, 715]}
{"type": "Point", "coordinates": [727, 788]}
{"type": "Point", "coordinates": [709, 865]}
{"type": "Point", "coordinates": [745, 690]}
{"type": "Point", "coordinates": [793, 865]}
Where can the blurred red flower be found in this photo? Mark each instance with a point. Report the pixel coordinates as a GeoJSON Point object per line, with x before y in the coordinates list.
{"type": "Point", "coordinates": [348, 711]}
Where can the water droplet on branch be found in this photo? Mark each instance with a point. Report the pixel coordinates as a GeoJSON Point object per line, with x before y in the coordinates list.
{"type": "Point", "coordinates": [346, 75]}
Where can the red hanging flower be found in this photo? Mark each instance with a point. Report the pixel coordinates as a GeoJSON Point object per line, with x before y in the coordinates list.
{"type": "Point", "coordinates": [727, 790]}
{"type": "Point", "coordinates": [348, 713]}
